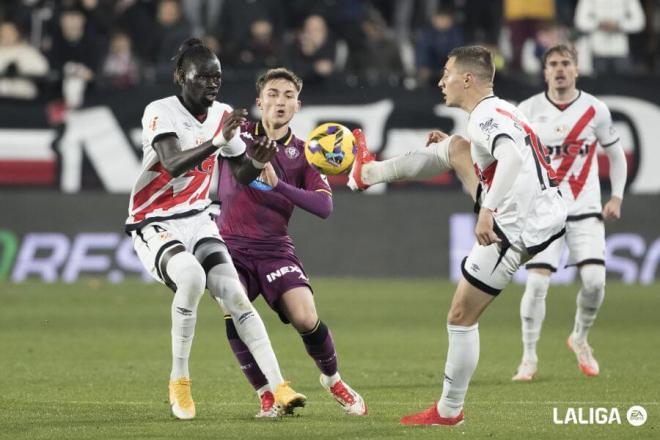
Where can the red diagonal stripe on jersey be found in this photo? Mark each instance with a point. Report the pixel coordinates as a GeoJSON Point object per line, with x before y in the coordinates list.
{"type": "Point", "coordinates": [487, 175]}
{"type": "Point", "coordinates": [577, 184]}
{"type": "Point", "coordinates": [571, 138]}
{"type": "Point", "coordinates": [152, 187]}
{"type": "Point", "coordinates": [225, 115]}
{"type": "Point", "coordinates": [536, 144]}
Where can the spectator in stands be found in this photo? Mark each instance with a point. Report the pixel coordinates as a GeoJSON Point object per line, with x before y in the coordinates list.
{"type": "Point", "coordinates": [121, 69]}
{"type": "Point", "coordinates": [21, 65]}
{"type": "Point", "coordinates": [261, 50]}
{"type": "Point", "coordinates": [607, 23]}
{"type": "Point", "coordinates": [482, 20]}
{"type": "Point", "coordinates": [170, 30]}
{"type": "Point", "coordinates": [434, 44]}
{"type": "Point", "coordinates": [74, 56]}
{"type": "Point", "coordinates": [203, 15]}
{"type": "Point", "coordinates": [236, 18]}
{"type": "Point", "coordinates": [523, 18]}
{"type": "Point", "coordinates": [312, 54]}
{"type": "Point", "coordinates": [377, 59]}
{"type": "Point", "coordinates": [548, 35]}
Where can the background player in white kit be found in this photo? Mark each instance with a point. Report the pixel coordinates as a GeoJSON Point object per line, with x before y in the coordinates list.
{"type": "Point", "coordinates": [170, 220]}
{"type": "Point", "coordinates": [520, 212]}
{"type": "Point", "coordinates": [570, 124]}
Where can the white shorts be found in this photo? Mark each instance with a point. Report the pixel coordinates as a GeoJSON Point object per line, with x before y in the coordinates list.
{"type": "Point", "coordinates": [489, 269]}
{"type": "Point", "coordinates": [586, 245]}
{"type": "Point", "coordinates": [152, 240]}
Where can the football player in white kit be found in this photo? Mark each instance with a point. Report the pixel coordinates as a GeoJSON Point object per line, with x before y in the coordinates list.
{"type": "Point", "coordinates": [520, 213]}
{"type": "Point", "coordinates": [570, 124]}
{"type": "Point", "coordinates": [172, 225]}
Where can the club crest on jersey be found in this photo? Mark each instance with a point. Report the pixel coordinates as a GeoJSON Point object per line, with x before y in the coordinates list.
{"type": "Point", "coordinates": [292, 152]}
{"type": "Point", "coordinates": [561, 130]}
{"type": "Point", "coordinates": [154, 123]}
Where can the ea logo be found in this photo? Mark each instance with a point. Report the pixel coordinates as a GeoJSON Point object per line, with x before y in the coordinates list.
{"type": "Point", "coordinates": [636, 415]}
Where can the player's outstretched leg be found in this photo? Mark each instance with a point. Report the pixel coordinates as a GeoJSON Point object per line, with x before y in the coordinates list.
{"type": "Point", "coordinates": [298, 306]}
{"type": "Point", "coordinates": [589, 300]}
{"type": "Point", "coordinates": [424, 163]}
{"type": "Point", "coordinates": [251, 371]}
{"type": "Point", "coordinates": [186, 273]}
{"type": "Point", "coordinates": [532, 313]}
{"type": "Point", "coordinates": [462, 357]}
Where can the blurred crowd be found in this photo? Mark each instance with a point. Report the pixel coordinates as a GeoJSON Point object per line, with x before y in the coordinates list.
{"type": "Point", "coordinates": [60, 48]}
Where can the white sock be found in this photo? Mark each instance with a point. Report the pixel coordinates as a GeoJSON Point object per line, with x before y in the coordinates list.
{"type": "Point", "coordinates": [589, 300]}
{"type": "Point", "coordinates": [532, 312]}
{"type": "Point", "coordinates": [227, 290]}
{"type": "Point", "coordinates": [420, 164]}
{"type": "Point", "coordinates": [190, 280]}
{"type": "Point", "coordinates": [263, 389]}
{"type": "Point", "coordinates": [462, 358]}
{"type": "Point", "coordinates": [330, 380]}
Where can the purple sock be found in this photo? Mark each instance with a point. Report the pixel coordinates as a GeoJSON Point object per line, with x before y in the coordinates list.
{"type": "Point", "coordinates": [321, 348]}
{"type": "Point", "coordinates": [246, 361]}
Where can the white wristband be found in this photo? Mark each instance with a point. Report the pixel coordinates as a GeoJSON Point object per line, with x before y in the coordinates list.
{"type": "Point", "coordinates": [258, 165]}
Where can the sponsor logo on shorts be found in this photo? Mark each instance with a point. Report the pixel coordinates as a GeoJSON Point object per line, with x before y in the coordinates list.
{"type": "Point", "coordinates": [474, 267]}
{"type": "Point", "coordinates": [285, 270]}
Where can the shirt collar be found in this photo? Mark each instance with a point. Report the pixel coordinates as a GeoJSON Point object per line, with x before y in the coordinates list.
{"type": "Point", "coordinates": [284, 140]}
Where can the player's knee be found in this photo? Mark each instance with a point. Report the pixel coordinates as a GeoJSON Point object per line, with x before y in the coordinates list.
{"type": "Point", "coordinates": [537, 285]}
{"type": "Point", "coordinates": [593, 279]}
{"type": "Point", "coordinates": [459, 152]}
{"type": "Point", "coordinates": [186, 272]}
{"type": "Point", "coordinates": [225, 285]}
{"type": "Point", "coordinates": [458, 315]}
{"type": "Point", "coordinates": [303, 322]}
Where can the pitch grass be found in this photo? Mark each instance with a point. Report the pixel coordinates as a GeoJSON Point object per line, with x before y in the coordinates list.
{"type": "Point", "coordinates": [91, 360]}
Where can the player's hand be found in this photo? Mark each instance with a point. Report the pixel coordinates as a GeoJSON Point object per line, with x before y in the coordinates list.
{"type": "Point", "coordinates": [264, 150]}
{"type": "Point", "coordinates": [612, 209]}
{"type": "Point", "coordinates": [435, 137]}
{"type": "Point", "coordinates": [484, 229]}
{"type": "Point", "coordinates": [233, 121]}
{"type": "Point", "coordinates": [268, 176]}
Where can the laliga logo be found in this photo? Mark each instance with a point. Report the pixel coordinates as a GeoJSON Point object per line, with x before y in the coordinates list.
{"type": "Point", "coordinates": [636, 416]}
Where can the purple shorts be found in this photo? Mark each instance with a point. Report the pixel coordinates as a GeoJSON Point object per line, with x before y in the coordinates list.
{"type": "Point", "coordinates": [269, 274]}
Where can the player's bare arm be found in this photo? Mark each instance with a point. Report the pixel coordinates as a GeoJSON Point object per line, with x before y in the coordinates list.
{"type": "Point", "coordinates": [177, 161]}
{"type": "Point", "coordinates": [246, 168]}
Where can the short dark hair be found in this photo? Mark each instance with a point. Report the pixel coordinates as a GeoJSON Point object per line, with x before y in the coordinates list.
{"type": "Point", "coordinates": [192, 48]}
{"type": "Point", "coordinates": [562, 49]}
{"type": "Point", "coordinates": [278, 73]}
{"type": "Point", "coordinates": [476, 59]}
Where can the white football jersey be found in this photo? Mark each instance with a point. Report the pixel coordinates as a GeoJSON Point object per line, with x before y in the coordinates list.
{"type": "Point", "coordinates": [532, 211]}
{"type": "Point", "coordinates": [571, 136]}
{"type": "Point", "coordinates": [156, 195]}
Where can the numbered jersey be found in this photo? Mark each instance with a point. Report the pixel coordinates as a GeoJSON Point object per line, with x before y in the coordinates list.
{"type": "Point", "coordinates": [532, 212]}
{"type": "Point", "coordinates": [156, 194]}
{"type": "Point", "coordinates": [571, 134]}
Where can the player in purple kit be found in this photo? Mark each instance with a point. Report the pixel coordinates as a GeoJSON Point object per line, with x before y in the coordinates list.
{"type": "Point", "coordinates": [254, 223]}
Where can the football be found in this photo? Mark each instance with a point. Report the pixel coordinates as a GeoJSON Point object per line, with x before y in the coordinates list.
{"type": "Point", "coordinates": [330, 148]}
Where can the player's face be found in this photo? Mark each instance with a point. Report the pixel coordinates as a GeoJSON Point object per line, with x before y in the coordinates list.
{"type": "Point", "coordinates": [452, 83]}
{"type": "Point", "coordinates": [202, 81]}
{"type": "Point", "coordinates": [278, 102]}
{"type": "Point", "coordinates": [560, 71]}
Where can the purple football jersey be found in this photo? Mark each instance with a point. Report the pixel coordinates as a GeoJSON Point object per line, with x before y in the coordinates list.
{"type": "Point", "coordinates": [253, 217]}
